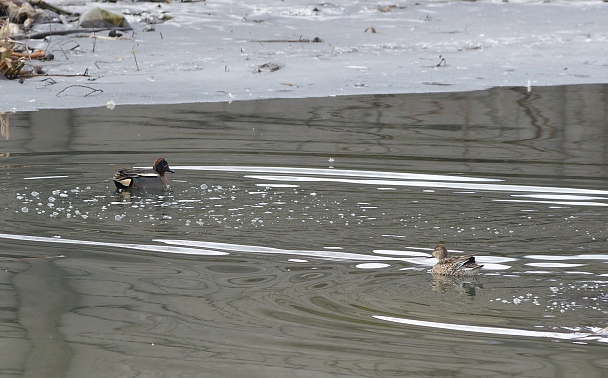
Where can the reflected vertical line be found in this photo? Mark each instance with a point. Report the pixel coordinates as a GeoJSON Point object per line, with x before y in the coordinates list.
{"type": "Point", "coordinates": [43, 299]}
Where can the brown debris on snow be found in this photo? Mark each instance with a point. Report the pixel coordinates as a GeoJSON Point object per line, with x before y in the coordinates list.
{"type": "Point", "coordinates": [13, 59]}
{"type": "Point", "coordinates": [21, 17]}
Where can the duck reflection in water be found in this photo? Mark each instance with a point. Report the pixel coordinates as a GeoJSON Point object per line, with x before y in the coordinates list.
{"type": "Point", "coordinates": [443, 284]}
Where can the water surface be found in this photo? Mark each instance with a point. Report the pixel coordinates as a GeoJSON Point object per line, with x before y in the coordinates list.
{"type": "Point", "coordinates": [293, 239]}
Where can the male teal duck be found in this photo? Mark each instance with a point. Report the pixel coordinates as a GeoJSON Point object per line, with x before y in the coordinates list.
{"type": "Point", "coordinates": [453, 266]}
{"type": "Point", "coordinates": [143, 179]}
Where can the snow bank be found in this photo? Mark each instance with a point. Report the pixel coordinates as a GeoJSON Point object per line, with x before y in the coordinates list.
{"type": "Point", "coordinates": [215, 51]}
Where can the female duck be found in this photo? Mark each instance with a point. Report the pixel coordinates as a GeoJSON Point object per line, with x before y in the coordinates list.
{"type": "Point", "coordinates": [143, 179]}
{"type": "Point", "coordinates": [454, 266]}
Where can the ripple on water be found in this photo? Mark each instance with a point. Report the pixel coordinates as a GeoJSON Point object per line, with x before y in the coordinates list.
{"type": "Point", "coordinates": [284, 263]}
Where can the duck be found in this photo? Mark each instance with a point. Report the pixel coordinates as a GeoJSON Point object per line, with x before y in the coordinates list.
{"type": "Point", "coordinates": [143, 179]}
{"type": "Point", "coordinates": [453, 266]}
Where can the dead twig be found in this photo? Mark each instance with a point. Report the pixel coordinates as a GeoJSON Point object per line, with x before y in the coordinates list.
{"type": "Point", "coordinates": [49, 33]}
{"type": "Point", "coordinates": [62, 43]}
{"type": "Point", "coordinates": [100, 61]}
{"type": "Point", "coordinates": [39, 54]}
{"type": "Point", "coordinates": [48, 6]}
{"type": "Point", "coordinates": [299, 40]}
{"type": "Point", "coordinates": [442, 61]}
{"type": "Point", "coordinates": [93, 90]}
{"type": "Point", "coordinates": [49, 81]}
{"type": "Point", "coordinates": [27, 76]}
{"type": "Point", "coordinates": [135, 58]}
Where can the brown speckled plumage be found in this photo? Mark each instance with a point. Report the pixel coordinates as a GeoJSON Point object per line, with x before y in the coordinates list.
{"type": "Point", "coordinates": [454, 265]}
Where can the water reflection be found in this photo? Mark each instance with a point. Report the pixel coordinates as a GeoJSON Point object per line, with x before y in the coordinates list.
{"type": "Point", "coordinates": [445, 284]}
{"type": "Point", "coordinates": [4, 125]}
{"type": "Point", "coordinates": [295, 233]}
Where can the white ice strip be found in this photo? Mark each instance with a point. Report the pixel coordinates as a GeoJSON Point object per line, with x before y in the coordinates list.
{"type": "Point", "coordinates": [561, 197]}
{"type": "Point", "coordinates": [142, 247]}
{"type": "Point", "coordinates": [492, 330]}
{"type": "Point", "coordinates": [492, 266]}
{"type": "Point", "coordinates": [562, 258]}
{"type": "Point", "coordinates": [494, 259]}
{"type": "Point", "coordinates": [395, 179]}
{"type": "Point", "coordinates": [446, 185]}
{"type": "Point", "coordinates": [278, 185]}
{"type": "Point", "coordinates": [567, 203]}
{"type": "Point", "coordinates": [268, 250]}
{"type": "Point", "coordinates": [371, 266]}
{"type": "Point", "coordinates": [401, 253]}
{"type": "Point", "coordinates": [564, 196]}
{"type": "Point", "coordinates": [44, 177]}
{"type": "Point", "coordinates": [335, 172]}
{"type": "Point", "coordinates": [554, 265]}
{"type": "Point", "coordinates": [297, 260]}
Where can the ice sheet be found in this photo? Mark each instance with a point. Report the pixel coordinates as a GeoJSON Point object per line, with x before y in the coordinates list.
{"type": "Point", "coordinates": [212, 51]}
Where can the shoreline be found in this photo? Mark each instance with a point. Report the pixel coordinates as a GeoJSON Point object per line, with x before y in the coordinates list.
{"type": "Point", "coordinates": [227, 51]}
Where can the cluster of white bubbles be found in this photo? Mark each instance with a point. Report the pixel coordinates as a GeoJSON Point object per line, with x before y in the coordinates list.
{"type": "Point", "coordinates": [591, 295]}
{"type": "Point", "coordinates": [201, 205]}
{"type": "Point", "coordinates": [520, 299]}
{"type": "Point", "coordinates": [52, 205]}
{"type": "Point", "coordinates": [563, 297]}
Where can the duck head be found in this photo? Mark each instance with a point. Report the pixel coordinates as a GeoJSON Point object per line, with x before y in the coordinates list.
{"type": "Point", "coordinates": [161, 166]}
{"type": "Point", "coordinates": [440, 252]}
